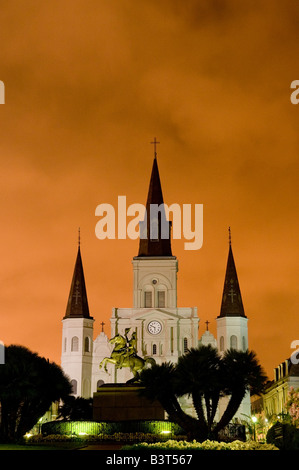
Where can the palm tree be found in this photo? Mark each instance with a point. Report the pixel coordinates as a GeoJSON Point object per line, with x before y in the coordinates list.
{"type": "Point", "coordinates": [198, 374]}
{"type": "Point", "coordinates": [76, 409]}
{"type": "Point", "coordinates": [205, 376]}
{"type": "Point", "coordinates": [243, 374]}
{"type": "Point", "coordinates": [158, 384]}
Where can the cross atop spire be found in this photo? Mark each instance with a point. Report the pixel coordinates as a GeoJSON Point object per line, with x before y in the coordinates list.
{"type": "Point", "coordinates": [155, 142]}
{"type": "Point", "coordinates": [79, 237]}
{"type": "Point", "coordinates": [229, 237]}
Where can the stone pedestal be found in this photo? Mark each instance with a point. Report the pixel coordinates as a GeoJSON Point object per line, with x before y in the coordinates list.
{"type": "Point", "coordinates": [122, 402]}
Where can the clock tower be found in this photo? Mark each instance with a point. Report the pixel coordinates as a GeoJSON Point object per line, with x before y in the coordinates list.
{"type": "Point", "coordinates": [163, 330]}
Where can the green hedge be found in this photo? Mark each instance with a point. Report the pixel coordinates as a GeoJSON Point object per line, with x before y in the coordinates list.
{"type": "Point", "coordinates": [94, 428]}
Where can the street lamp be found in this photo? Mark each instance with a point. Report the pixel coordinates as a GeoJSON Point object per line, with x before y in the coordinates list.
{"type": "Point", "coordinates": [254, 420]}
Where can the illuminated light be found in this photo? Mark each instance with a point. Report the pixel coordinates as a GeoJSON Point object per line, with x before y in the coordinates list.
{"type": "Point", "coordinates": [165, 432]}
{"type": "Point", "coordinates": [29, 434]}
{"type": "Point", "coordinates": [254, 419]}
{"type": "Point", "coordinates": [82, 433]}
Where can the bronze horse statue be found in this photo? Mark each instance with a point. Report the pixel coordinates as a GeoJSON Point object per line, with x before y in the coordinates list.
{"type": "Point", "coordinates": [124, 355]}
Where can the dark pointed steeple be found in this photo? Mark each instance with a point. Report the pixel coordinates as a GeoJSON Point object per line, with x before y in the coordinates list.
{"type": "Point", "coordinates": [77, 306]}
{"type": "Point", "coordinates": [232, 305]}
{"type": "Point", "coordinates": [151, 244]}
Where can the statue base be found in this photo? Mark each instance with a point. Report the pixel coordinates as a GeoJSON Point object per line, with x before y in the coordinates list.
{"type": "Point", "coordinates": [122, 402]}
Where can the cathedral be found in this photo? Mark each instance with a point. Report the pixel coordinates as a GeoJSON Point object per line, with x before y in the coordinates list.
{"type": "Point", "coordinates": [161, 329]}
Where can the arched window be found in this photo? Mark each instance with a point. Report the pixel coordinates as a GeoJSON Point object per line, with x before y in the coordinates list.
{"type": "Point", "coordinates": [74, 386]}
{"type": "Point", "coordinates": [244, 343]}
{"type": "Point", "coordinates": [154, 349]}
{"type": "Point", "coordinates": [233, 342]}
{"type": "Point", "coordinates": [64, 347]}
{"type": "Point", "coordinates": [87, 344]}
{"type": "Point", "coordinates": [75, 344]}
{"type": "Point", "coordinates": [185, 345]}
{"type": "Point", "coordinates": [221, 343]}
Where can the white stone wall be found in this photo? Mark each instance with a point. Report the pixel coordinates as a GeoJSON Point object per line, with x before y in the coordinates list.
{"type": "Point", "coordinates": [230, 327]}
{"type": "Point", "coordinates": [233, 332]}
{"type": "Point", "coordinates": [76, 361]}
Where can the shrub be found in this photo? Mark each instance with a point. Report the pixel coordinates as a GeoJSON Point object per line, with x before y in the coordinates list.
{"type": "Point", "coordinates": [284, 436]}
{"type": "Point", "coordinates": [155, 427]}
{"type": "Point", "coordinates": [206, 445]}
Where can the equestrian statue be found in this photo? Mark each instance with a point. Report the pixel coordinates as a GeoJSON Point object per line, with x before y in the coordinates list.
{"type": "Point", "coordinates": [124, 354]}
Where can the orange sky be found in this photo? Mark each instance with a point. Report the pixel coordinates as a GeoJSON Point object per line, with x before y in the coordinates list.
{"type": "Point", "coordinates": [88, 85]}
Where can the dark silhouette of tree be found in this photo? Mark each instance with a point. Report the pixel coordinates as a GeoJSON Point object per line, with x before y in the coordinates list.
{"type": "Point", "coordinates": [158, 383]}
{"type": "Point", "coordinates": [205, 376]}
{"type": "Point", "coordinates": [76, 409]}
{"type": "Point", "coordinates": [199, 375]}
{"type": "Point", "coordinates": [243, 374]}
{"type": "Point", "coordinates": [28, 385]}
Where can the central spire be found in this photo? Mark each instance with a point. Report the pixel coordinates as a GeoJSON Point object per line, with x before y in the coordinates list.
{"type": "Point", "coordinates": [159, 244]}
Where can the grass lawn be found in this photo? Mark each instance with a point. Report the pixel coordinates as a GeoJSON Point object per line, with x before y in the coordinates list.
{"type": "Point", "coordinates": [56, 446]}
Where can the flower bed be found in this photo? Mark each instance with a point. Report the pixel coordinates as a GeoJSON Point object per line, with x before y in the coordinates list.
{"type": "Point", "coordinates": [206, 445]}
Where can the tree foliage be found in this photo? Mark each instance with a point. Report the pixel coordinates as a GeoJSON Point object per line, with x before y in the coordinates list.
{"type": "Point", "coordinates": [76, 409]}
{"type": "Point", "coordinates": [28, 385]}
{"type": "Point", "coordinates": [205, 376]}
{"type": "Point", "coordinates": [292, 406]}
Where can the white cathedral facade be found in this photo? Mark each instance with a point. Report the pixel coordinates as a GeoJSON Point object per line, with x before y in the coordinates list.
{"type": "Point", "coordinates": [163, 330]}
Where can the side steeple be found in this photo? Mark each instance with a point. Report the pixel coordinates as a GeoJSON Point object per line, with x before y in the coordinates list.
{"type": "Point", "coordinates": [155, 230]}
{"type": "Point", "coordinates": [232, 305]}
{"type": "Point", "coordinates": [77, 334]}
{"type": "Point", "coordinates": [232, 326]}
{"type": "Point", "coordinates": [77, 306]}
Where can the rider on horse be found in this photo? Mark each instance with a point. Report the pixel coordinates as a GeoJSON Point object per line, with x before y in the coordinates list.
{"type": "Point", "coordinates": [130, 349]}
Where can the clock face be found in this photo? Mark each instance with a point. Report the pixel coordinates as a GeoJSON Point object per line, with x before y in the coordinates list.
{"type": "Point", "coordinates": [154, 327]}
